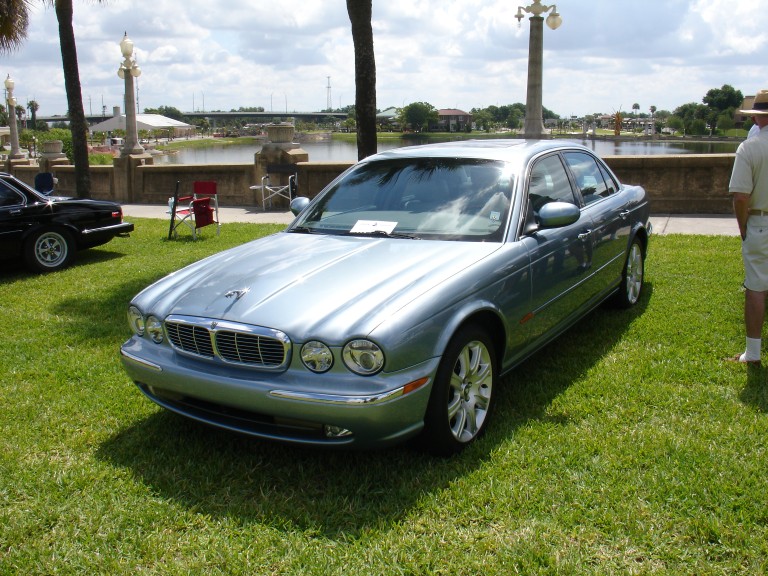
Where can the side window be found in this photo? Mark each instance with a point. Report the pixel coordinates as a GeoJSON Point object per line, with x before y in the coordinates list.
{"type": "Point", "coordinates": [590, 178]}
{"type": "Point", "coordinates": [549, 183]}
{"type": "Point", "coordinates": [8, 196]}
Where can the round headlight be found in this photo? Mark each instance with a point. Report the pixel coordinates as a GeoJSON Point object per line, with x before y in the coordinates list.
{"type": "Point", "coordinates": [154, 329]}
{"type": "Point", "coordinates": [316, 356]}
{"type": "Point", "coordinates": [363, 357]}
{"type": "Point", "coordinates": [136, 320]}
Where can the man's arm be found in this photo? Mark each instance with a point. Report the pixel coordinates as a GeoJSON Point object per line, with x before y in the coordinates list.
{"type": "Point", "coordinates": [741, 210]}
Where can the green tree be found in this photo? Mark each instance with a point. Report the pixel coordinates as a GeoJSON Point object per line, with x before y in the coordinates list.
{"type": "Point", "coordinates": [360, 14]}
{"type": "Point", "coordinates": [14, 19]}
{"type": "Point", "coordinates": [77, 122]}
{"type": "Point", "coordinates": [418, 115]}
{"type": "Point", "coordinates": [33, 107]}
{"type": "Point", "coordinates": [167, 111]}
{"type": "Point", "coordinates": [722, 102]}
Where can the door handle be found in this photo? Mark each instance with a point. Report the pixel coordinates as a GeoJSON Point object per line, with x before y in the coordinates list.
{"type": "Point", "coordinates": [584, 236]}
{"type": "Point", "coordinates": [625, 214]}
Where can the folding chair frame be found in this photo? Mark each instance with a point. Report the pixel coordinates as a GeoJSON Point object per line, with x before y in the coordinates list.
{"type": "Point", "coordinates": [198, 213]}
{"type": "Point", "coordinates": [287, 191]}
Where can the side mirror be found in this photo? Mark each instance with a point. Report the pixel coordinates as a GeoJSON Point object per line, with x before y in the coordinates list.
{"type": "Point", "coordinates": [558, 214]}
{"type": "Point", "coordinates": [298, 204]}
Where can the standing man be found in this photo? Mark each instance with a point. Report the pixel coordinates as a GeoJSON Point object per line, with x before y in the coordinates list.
{"type": "Point", "coordinates": [749, 187]}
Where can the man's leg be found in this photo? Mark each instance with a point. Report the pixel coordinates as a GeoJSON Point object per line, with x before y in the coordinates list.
{"type": "Point", "coordinates": [754, 312]}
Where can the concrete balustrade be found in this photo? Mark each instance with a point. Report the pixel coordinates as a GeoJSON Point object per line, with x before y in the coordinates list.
{"type": "Point", "coordinates": [676, 184]}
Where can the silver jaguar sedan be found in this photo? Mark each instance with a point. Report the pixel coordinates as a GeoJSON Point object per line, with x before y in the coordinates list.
{"type": "Point", "coordinates": [397, 299]}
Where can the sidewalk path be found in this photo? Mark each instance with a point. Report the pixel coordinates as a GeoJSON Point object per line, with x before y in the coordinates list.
{"type": "Point", "coordinates": [722, 225]}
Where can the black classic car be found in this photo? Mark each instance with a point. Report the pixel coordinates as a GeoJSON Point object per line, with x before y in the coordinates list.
{"type": "Point", "coordinates": [47, 230]}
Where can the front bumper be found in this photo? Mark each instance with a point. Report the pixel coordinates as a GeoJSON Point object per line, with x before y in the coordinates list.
{"type": "Point", "coordinates": [295, 406]}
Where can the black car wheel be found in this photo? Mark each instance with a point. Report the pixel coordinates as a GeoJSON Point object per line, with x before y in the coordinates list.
{"type": "Point", "coordinates": [49, 250]}
{"type": "Point", "coordinates": [631, 277]}
{"type": "Point", "coordinates": [461, 396]}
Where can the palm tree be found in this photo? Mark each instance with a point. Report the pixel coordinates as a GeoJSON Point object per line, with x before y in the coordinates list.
{"type": "Point", "coordinates": [14, 18]}
{"type": "Point", "coordinates": [33, 107]}
{"type": "Point", "coordinates": [77, 122]}
{"type": "Point", "coordinates": [360, 12]}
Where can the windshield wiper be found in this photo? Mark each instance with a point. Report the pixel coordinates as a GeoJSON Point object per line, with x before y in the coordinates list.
{"type": "Point", "coordinates": [303, 230]}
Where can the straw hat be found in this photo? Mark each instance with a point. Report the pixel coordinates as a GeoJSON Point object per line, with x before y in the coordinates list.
{"type": "Point", "coordinates": [760, 104]}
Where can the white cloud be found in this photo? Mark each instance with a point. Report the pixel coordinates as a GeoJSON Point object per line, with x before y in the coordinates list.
{"type": "Point", "coordinates": [607, 55]}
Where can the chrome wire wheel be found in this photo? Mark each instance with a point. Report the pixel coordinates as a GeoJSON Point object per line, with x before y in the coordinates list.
{"type": "Point", "coordinates": [469, 396]}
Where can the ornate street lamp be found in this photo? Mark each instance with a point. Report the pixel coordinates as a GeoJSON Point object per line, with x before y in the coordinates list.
{"type": "Point", "coordinates": [128, 71]}
{"type": "Point", "coordinates": [534, 125]}
{"type": "Point", "coordinates": [11, 101]}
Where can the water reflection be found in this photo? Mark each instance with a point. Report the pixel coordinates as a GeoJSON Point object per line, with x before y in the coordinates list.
{"type": "Point", "coordinates": [341, 151]}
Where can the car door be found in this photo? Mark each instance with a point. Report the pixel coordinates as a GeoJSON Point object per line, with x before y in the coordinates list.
{"type": "Point", "coordinates": [561, 258]}
{"type": "Point", "coordinates": [12, 217]}
{"type": "Point", "coordinates": [608, 212]}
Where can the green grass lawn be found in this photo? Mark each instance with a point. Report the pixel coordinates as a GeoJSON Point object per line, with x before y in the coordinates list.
{"type": "Point", "coordinates": [625, 447]}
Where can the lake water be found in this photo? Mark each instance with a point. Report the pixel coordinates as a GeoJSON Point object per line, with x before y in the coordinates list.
{"type": "Point", "coordinates": [341, 151]}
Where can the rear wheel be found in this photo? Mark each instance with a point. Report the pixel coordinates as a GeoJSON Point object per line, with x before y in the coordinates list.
{"type": "Point", "coordinates": [462, 393]}
{"type": "Point", "coordinates": [49, 250]}
{"type": "Point", "coordinates": [632, 276]}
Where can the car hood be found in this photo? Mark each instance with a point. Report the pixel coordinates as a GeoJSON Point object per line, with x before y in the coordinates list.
{"type": "Point", "coordinates": [311, 286]}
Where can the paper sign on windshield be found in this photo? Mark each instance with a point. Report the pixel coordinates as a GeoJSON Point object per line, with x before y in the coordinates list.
{"type": "Point", "coordinates": [368, 226]}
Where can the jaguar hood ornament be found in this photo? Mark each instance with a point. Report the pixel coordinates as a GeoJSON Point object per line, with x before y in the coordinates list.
{"type": "Point", "coordinates": [237, 294]}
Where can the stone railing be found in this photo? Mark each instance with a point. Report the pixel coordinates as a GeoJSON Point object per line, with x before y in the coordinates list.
{"type": "Point", "coordinates": [679, 184]}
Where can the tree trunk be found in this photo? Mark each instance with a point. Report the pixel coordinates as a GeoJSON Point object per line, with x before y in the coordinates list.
{"type": "Point", "coordinates": [77, 122]}
{"type": "Point", "coordinates": [360, 12]}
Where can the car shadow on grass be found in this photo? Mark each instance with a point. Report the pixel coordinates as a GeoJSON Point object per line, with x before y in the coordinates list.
{"type": "Point", "coordinates": [346, 494]}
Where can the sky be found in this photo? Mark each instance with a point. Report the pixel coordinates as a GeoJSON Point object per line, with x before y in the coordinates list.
{"type": "Point", "coordinates": [224, 54]}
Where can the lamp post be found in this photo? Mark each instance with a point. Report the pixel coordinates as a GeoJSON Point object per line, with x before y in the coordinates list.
{"type": "Point", "coordinates": [534, 126]}
{"type": "Point", "coordinates": [11, 101]}
{"type": "Point", "coordinates": [128, 71]}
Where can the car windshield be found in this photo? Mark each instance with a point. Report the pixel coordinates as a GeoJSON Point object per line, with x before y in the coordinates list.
{"type": "Point", "coordinates": [424, 198]}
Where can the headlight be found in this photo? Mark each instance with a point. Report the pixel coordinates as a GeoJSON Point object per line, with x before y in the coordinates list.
{"type": "Point", "coordinates": [363, 357]}
{"type": "Point", "coordinates": [154, 329]}
{"type": "Point", "coordinates": [136, 320]}
{"type": "Point", "coordinates": [316, 356]}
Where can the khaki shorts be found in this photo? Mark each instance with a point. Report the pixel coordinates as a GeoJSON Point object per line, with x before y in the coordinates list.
{"type": "Point", "coordinates": [754, 252]}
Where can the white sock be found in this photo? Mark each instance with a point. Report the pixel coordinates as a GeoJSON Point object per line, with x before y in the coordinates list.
{"type": "Point", "coordinates": [754, 346]}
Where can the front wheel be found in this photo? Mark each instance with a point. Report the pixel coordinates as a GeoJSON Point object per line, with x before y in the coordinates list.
{"type": "Point", "coordinates": [460, 402]}
{"type": "Point", "coordinates": [632, 276]}
{"type": "Point", "coordinates": [49, 250]}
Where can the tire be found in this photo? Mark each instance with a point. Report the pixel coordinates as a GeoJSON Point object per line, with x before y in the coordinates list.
{"type": "Point", "coordinates": [49, 250]}
{"type": "Point", "coordinates": [631, 277]}
{"type": "Point", "coordinates": [461, 398]}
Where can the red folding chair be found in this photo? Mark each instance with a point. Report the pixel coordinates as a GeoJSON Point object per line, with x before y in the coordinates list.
{"type": "Point", "coordinates": [195, 211]}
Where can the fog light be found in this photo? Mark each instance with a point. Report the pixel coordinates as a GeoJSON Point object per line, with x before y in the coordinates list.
{"type": "Point", "coordinates": [331, 431]}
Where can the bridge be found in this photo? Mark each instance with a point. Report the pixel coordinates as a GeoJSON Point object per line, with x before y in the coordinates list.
{"type": "Point", "coordinates": [262, 117]}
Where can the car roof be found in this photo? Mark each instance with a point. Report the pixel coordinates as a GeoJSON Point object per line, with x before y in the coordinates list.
{"type": "Point", "coordinates": [493, 149]}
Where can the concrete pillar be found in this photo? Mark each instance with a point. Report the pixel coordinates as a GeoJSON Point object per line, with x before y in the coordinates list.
{"type": "Point", "coordinates": [278, 150]}
{"type": "Point", "coordinates": [127, 185]}
{"type": "Point", "coordinates": [52, 155]}
{"type": "Point", "coordinates": [534, 112]}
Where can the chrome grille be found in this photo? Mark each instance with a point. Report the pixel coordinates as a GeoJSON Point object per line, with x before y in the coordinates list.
{"type": "Point", "coordinates": [230, 342]}
{"type": "Point", "coordinates": [249, 348]}
{"type": "Point", "coordinates": [193, 339]}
